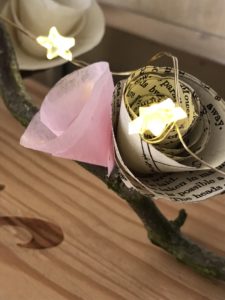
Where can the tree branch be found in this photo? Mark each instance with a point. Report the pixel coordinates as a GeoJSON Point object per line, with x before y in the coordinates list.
{"type": "Point", "coordinates": [180, 219]}
{"type": "Point", "coordinates": [161, 232]}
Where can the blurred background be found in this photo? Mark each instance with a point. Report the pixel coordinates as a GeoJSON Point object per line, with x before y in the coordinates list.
{"type": "Point", "coordinates": [197, 27]}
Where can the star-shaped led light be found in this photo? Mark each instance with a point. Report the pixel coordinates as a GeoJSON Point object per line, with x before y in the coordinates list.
{"type": "Point", "coordinates": [156, 118]}
{"type": "Point", "coordinates": [56, 44]}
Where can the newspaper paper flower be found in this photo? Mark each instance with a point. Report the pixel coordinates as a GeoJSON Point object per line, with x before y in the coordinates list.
{"type": "Point", "coordinates": [165, 169]}
{"type": "Point", "coordinates": [74, 121]}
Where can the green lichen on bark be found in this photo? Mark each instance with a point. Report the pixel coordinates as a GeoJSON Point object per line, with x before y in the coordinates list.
{"type": "Point", "coordinates": [22, 109]}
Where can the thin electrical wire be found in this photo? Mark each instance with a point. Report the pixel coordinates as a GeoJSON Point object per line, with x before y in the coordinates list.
{"type": "Point", "coordinates": [155, 140]}
{"type": "Point", "coordinates": [194, 155]}
{"type": "Point", "coordinates": [6, 20]}
{"type": "Point", "coordinates": [75, 62]}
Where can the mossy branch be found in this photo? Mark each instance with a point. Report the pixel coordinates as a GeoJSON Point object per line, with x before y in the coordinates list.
{"type": "Point", "coordinates": [161, 232]}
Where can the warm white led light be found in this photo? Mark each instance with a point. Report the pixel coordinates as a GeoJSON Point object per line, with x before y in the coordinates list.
{"type": "Point", "coordinates": [156, 118]}
{"type": "Point", "coordinates": [56, 44]}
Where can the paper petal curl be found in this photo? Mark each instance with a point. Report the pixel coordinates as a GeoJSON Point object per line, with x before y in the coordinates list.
{"type": "Point", "coordinates": [74, 121]}
{"type": "Point", "coordinates": [149, 170]}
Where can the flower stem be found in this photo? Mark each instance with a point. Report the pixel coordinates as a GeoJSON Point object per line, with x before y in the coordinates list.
{"type": "Point", "coordinates": [161, 232]}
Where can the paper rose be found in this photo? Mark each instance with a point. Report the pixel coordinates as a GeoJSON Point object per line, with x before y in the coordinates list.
{"type": "Point", "coordinates": [80, 19]}
{"type": "Point", "coordinates": [74, 121]}
{"type": "Point", "coordinates": [165, 169]}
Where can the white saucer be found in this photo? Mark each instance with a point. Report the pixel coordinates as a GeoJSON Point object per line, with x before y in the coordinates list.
{"type": "Point", "coordinates": [87, 39]}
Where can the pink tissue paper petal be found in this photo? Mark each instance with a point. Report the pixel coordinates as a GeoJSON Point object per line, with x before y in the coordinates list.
{"type": "Point", "coordinates": [74, 121]}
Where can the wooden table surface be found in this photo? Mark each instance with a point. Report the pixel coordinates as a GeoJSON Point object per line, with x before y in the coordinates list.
{"type": "Point", "coordinates": [101, 249]}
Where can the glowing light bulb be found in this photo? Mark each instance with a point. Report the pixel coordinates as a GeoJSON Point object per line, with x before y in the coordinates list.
{"type": "Point", "coordinates": [156, 118]}
{"type": "Point", "coordinates": [56, 44]}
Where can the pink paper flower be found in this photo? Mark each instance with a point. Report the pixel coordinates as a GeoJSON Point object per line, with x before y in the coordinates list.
{"type": "Point", "coordinates": [74, 121]}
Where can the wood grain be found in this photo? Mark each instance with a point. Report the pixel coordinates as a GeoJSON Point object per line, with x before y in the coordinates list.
{"type": "Point", "coordinates": [105, 254]}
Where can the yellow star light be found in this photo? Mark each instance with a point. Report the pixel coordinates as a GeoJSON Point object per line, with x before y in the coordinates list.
{"type": "Point", "coordinates": [156, 118]}
{"type": "Point", "coordinates": [56, 44]}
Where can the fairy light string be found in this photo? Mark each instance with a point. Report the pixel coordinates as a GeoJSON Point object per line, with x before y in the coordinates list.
{"type": "Point", "coordinates": [25, 32]}
{"type": "Point", "coordinates": [134, 115]}
{"type": "Point", "coordinates": [194, 155]}
{"type": "Point", "coordinates": [170, 127]}
{"type": "Point", "coordinates": [178, 98]}
{"type": "Point", "coordinates": [76, 62]}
